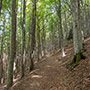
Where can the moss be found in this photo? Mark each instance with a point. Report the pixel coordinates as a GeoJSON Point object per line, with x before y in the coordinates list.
{"type": "Point", "coordinates": [75, 61]}
{"type": "Point", "coordinates": [83, 50]}
{"type": "Point", "coordinates": [78, 58]}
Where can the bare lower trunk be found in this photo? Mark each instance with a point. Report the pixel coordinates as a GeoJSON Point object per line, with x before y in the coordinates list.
{"type": "Point", "coordinates": [1, 58]}
{"type": "Point", "coordinates": [13, 46]}
{"type": "Point", "coordinates": [65, 29]}
{"type": "Point", "coordinates": [77, 37]}
{"type": "Point", "coordinates": [23, 41]}
{"type": "Point", "coordinates": [33, 36]}
{"type": "Point", "coordinates": [39, 46]}
{"type": "Point", "coordinates": [43, 39]}
{"type": "Point", "coordinates": [60, 25]}
{"type": "Point", "coordinates": [75, 27]}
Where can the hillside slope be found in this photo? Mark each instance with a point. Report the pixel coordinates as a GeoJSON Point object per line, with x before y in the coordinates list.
{"type": "Point", "coordinates": [52, 73]}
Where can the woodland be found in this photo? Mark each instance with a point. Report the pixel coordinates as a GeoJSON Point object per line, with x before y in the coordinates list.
{"type": "Point", "coordinates": [44, 44]}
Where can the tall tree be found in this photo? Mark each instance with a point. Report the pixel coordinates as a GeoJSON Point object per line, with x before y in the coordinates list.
{"type": "Point", "coordinates": [65, 28]}
{"type": "Point", "coordinates": [43, 37]}
{"type": "Point", "coordinates": [1, 56]}
{"type": "Point", "coordinates": [33, 36]}
{"type": "Point", "coordinates": [0, 6]}
{"type": "Point", "coordinates": [39, 41]}
{"type": "Point", "coordinates": [60, 28]}
{"type": "Point", "coordinates": [12, 47]}
{"type": "Point", "coordinates": [23, 40]}
{"type": "Point", "coordinates": [77, 37]}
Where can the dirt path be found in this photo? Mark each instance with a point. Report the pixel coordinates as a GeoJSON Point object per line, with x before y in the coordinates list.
{"type": "Point", "coordinates": [53, 74]}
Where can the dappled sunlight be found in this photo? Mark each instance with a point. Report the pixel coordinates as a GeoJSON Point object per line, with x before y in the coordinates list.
{"type": "Point", "coordinates": [45, 45]}
{"type": "Point", "coordinates": [48, 66]}
{"type": "Point", "coordinates": [36, 76]}
{"type": "Point", "coordinates": [34, 71]}
{"type": "Point", "coordinates": [54, 74]}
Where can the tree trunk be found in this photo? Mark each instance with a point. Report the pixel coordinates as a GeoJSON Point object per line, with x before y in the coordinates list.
{"type": "Point", "coordinates": [23, 41]}
{"type": "Point", "coordinates": [1, 57]}
{"type": "Point", "coordinates": [82, 22]}
{"type": "Point", "coordinates": [12, 47]}
{"type": "Point", "coordinates": [75, 26]}
{"type": "Point", "coordinates": [60, 29]}
{"type": "Point", "coordinates": [43, 38]}
{"type": "Point", "coordinates": [39, 45]}
{"type": "Point", "coordinates": [77, 37]}
{"type": "Point", "coordinates": [0, 6]}
{"type": "Point", "coordinates": [33, 36]}
{"type": "Point", "coordinates": [88, 14]}
{"type": "Point", "coordinates": [65, 28]}
{"type": "Point", "coordinates": [53, 37]}
{"type": "Point", "coordinates": [86, 20]}
{"type": "Point", "coordinates": [59, 35]}
{"type": "Point", "coordinates": [79, 28]}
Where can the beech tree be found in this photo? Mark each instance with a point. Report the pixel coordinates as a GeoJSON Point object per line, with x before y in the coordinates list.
{"type": "Point", "coordinates": [13, 46]}
{"type": "Point", "coordinates": [23, 40]}
{"type": "Point", "coordinates": [33, 36]}
{"type": "Point", "coordinates": [39, 42]}
{"type": "Point", "coordinates": [1, 56]}
{"type": "Point", "coordinates": [77, 36]}
{"type": "Point", "coordinates": [60, 28]}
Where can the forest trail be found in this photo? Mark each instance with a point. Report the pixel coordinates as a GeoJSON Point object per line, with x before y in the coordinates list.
{"type": "Point", "coordinates": [52, 73]}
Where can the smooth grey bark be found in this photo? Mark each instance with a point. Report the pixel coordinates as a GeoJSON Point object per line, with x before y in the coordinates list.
{"type": "Point", "coordinates": [88, 16]}
{"type": "Point", "coordinates": [60, 28]}
{"type": "Point", "coordinates": [60, 25]}
{"type": "Point", "coordinates": [29, 39]}
{"type": "Point", "coordinates": [29, 36]}
{"type": "Point", "coordinates": [23, 41]}
{"type": "Point", "coordinates": [39, 42]}
{"type": "Point", "coordinates": [59, 35]}
{"type": "Point", "coordinates": [65, 28]}
{"type": "Point", "coordinates": [43, 38]}
{"type": "Point", "coordinates": [79, 31]}
{"type": "Point", "coordinates": [1, 56]}
{"type": "Point", "coordinates": [53, 36]}
{"type": "Point", "coordinates": [76, 27]}
{"type": "Point", "coordinates": [28, 48]}
{"type": "Point", "coordinates": [12, 46]}
{"type": "Point", "coordinates": [86, 20]}
{"type": "Point", "coordinates": [82, 21]}
{"type": "Point", "coordinates": [31, 67]}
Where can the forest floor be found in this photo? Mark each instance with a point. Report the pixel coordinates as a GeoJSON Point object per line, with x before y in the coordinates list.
{"type": "Point", "coordinates": [52, 73]}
